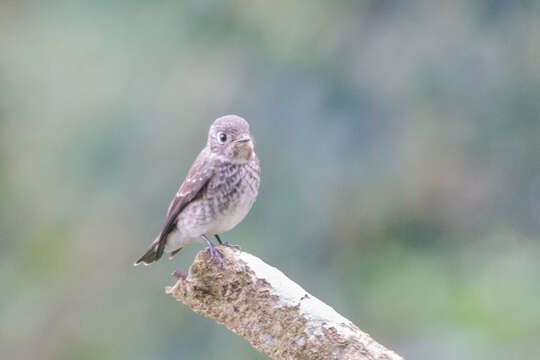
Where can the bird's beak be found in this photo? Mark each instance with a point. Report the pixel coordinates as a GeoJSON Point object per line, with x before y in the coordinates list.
{"type": "Point", "coordinates": [243, 138]}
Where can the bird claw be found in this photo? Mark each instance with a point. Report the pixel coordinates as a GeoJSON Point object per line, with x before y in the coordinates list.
{"type": "Point", "coordinates": [226, 243]}
{"type": "Point", "coordinates": [235, 246]}
{"type": "Point", "coordinates": [214, 254]}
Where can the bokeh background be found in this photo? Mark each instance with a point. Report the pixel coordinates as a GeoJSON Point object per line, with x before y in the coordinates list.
{"type": "Point", "coordinates": [400, 147]}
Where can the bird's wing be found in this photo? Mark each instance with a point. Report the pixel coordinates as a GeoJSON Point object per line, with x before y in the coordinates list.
{"type": "Point", "coordinates": [198, 176]}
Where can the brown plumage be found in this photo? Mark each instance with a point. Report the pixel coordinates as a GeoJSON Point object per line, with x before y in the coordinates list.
{"type": "Point", "coordinates": [217, 193]}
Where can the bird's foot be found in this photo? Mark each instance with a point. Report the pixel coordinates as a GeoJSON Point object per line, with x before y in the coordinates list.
{"type": "Point", "coordinates": [237, 247]}
{"type": "Point", "coordinates": [214, 254]}
{"type": "Point", "coordinates": [179, 275]}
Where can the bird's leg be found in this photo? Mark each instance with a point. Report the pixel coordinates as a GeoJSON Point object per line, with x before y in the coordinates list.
{"type": "Point", "coordinates": [218, 239]}
{"type": "Point", "coordinates": [214, 253]}
{"type": "Point", "coordinates": [227, 244]}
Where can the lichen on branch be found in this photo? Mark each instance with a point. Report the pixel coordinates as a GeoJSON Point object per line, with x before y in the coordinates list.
{"type": "Point", "coordinates": [276, 315]}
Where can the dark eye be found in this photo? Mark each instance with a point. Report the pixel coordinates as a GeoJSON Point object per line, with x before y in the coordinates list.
{"type": "Point", "coordinates": [222, 137]}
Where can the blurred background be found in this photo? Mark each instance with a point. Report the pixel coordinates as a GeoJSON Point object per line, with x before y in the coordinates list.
{"type": "Point", "coordinates": [400, 150]}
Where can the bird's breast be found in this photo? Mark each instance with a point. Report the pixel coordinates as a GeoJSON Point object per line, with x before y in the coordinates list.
{"type": "Point", "coordinates": [231, 194]}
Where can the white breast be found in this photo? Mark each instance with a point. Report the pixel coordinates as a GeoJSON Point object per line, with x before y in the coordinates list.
{"type": "Point", "coordinates": [231, 217]}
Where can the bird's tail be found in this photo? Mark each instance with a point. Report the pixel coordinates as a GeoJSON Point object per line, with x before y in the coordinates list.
{"type": "Point", "coordinates": [151, 255]}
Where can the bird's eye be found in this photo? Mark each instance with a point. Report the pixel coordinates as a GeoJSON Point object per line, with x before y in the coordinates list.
{"type": "Point", "coordinates": [222, 137]}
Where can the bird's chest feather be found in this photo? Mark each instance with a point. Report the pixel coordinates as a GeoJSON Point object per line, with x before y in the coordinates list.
{"type": "Point", "coordinates": [232, 192]}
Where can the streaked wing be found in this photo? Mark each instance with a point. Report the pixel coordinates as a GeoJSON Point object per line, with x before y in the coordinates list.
{"type": "Point", "coordinates": [197, 178]}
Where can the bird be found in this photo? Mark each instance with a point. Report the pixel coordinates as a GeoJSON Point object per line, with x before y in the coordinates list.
{"type": "Point", "coordinates": [216, 195]}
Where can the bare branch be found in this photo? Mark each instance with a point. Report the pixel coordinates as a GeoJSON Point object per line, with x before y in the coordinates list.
{"type": "Point", "coordinates": [277, 316]}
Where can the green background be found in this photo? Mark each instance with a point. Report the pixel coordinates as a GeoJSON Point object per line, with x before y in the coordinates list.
{"type": "Point", "coordinates": [400, 152]}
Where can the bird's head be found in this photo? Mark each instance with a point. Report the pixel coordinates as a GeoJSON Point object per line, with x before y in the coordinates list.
{"type": "Point", "coordinates": [229, 137]}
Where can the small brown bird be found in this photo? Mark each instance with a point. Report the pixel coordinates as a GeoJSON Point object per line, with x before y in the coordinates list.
{"type": "Point", "coordinates": [217, 194]}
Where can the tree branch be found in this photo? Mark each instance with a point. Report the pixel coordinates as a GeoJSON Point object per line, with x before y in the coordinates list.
{"type": "Point", "coordinates": [277, 316]}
